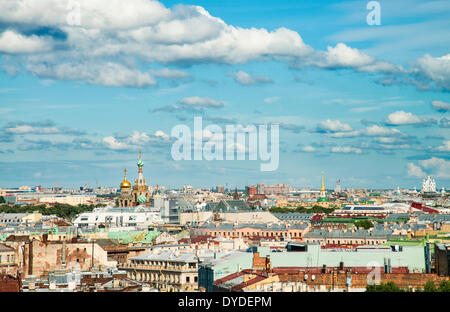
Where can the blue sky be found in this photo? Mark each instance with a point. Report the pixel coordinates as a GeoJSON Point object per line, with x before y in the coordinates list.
{"type": "Point", "coordinates": [369, 105]}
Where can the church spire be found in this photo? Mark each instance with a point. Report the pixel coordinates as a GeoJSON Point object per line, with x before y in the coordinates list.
{"type": "Point", "coordinates": [236, 195]}
{"type": "Point", "coordinates": [323, 185]}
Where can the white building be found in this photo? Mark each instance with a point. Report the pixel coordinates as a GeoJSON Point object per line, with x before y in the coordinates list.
{"type": "Point", "coordinates": [73, 200]}
{"type": "Point", "coordinates": [113, 217]}
{"type": "Point", "coordinates": [428, 185]}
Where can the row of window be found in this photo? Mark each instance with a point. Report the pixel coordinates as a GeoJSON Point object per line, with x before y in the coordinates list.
{"type": "Point", "coordinates": [372, 242]}
{"type": "Point", "coordinates": [9, 258]}
{"type": "Point", "coordinates": [263, 234]}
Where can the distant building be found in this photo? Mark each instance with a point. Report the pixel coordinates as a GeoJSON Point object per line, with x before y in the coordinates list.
{"type": "Point", "coordinates": [251, 190]}
{"type": "Point", "coordinates": [7, 261]}
{"type": "Point", "coordinates": [139, 194]}
{"type": "Point", "coordinates": [220, 189]}
{"type": "Point", "coordinates": [442, 254]}
{"type": "Point", "coordinates": [113, 217]}
{"type": "Point", "coordinates": [338, 187]}
{"type": "Point", "coordinates": [428, 185]}
{"type": "Point", "coordinates": [168, 270]}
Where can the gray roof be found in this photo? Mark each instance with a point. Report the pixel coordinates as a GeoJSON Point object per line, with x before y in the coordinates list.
{"type": "Point", "coordinates": [293, 216]}
{"type": "Point", "coordinates": [4, 248]}
{"type": "Point", "coordinates": [231, 206]}
{"type": "Point", "coordinates": [434, 218]}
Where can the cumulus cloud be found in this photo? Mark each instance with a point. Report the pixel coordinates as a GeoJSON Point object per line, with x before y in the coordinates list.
{"type": "Point", "coordinates": [333, 126]}
{"type": "Point", "coordinates": [106, 74]}
{"type": "Point", "coordinates": [246, 79]}
{"type": "Point", "coordinates": [171, 74]}
{"type": "Point", "coordinates": [445, 147]}
{"type": "Point", "coordinates": [137, 140]}
{"type": "Point", "coordinates": [307, 149]}
{"type": "Point", "coordinates": [145, 31]}
{"type": "Point", "coordinates": [16, 43]}
{"type": "Point", "coordinates": [346, 150]}
{"type": "Point", "coordinates": [404, 118]}
{"type": "Point", "coordinates": [437, 167]}
{"type": "Point", "coordinates": [46, 127]}
{"type": "Point", "coordinates": [436, 69]}
{"type": "Point", "coordinates": [377, 131]}
{"type": "Point", "coordinates": [415, 171]}
{"type": "Point", "coordinates": [440, 106]}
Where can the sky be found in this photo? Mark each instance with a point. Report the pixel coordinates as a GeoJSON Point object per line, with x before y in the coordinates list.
{"type": "Point", "coordinates": [86, 85]}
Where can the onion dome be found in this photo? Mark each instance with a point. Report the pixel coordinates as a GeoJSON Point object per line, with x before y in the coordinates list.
{"type": "Point", "coordinates": [140, 163]}
{"type": "Point", "coordinates": [125, 183]}
{"type": "Point", "coordinates": [142, 199]}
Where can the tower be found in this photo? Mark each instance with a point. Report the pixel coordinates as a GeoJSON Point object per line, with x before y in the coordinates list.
{"type": "Point", "coordinates": [236, 195]}
{"type": "Point", "coordinates": [140, 193]}
{"type": "Point", "coordinates": [323, 192]}
{"type": "Point", "coordinates": [322, 189]}
{"type": "Point", "coordinates": [125, 191]}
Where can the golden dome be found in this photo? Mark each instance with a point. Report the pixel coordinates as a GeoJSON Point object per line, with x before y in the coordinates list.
{"type": "Point", "coordinates": [125, 184]}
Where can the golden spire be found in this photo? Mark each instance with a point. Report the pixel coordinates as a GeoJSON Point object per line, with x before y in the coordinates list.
{"type": "Point", "coordinates": [125, 184]}
{"type": "Point", "coordinates": [323, 186]}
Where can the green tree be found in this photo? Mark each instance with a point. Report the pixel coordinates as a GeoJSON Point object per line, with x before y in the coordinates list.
{"type": "Point", "coordinates": [384, 287]}
{"type": "Point", "coordinates": [429, 287]}
{"type": "Point", "coordinates": [365, 224]}
{"type": "Point", "coordinates": [2, 200]}
{"type": "Point", "coordinates": [444, 286]}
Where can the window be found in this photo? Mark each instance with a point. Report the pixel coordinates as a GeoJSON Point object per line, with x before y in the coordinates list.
{"type": "Point", "coordinates": [195, 279]}
{"type": "Point", "coordinates": [187, 279]}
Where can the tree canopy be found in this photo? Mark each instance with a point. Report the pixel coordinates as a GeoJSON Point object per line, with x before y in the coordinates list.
{"type": "Point", "coordinates": [61, 210]}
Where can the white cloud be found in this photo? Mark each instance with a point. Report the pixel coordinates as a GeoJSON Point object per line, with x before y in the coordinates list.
{"type": "Point", "coordinates": [200, 102]}
{"type": "Point", "coordinates": [272, 99]}
{"type": "Point", "coordinates": [26, 129]}
{"type": "Point", "coordinates": [145, 31]}
{"type": "Point", "coordinates": [445, 147]}
{"type": "Point", "coordinates": [112, 143]}
{"type": "Point", "coordinates": [246, 79]}
{"type": "Point", "coordinates": [346, 150]}
{"type": "Point", "coordinates": [377, 131]}
{"type": "Point", "coordinates": [307, 149]}
{"type": "Point", "coordinates": [437, 167]}
{"type": "Point", "coordinates": [171, 74]}
{"type": "Point", "coordinates": [13, 42]}
{"type": "Point", "coordinates": [415, 171]}
{"type": "Point", "coordinates": [404, 118]}
{"type": "Point", "coordinates": [344, 56]}
{"type": "Point", "coordinates": [137, 140]}
{"type": "Point", "coordinates": [441, 106]}
{"type": "Point", "coordinates": [106, 74]}
{"type": "Point", "coordinates": [436, 69]}
{"type": "Point", "coordinates": [333, 126]}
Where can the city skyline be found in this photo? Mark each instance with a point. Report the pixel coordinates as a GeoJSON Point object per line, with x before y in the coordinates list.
{"type": "Point", "coordinates": [368, 105]}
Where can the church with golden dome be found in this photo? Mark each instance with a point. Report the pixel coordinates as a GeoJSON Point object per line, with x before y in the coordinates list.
{"type": "Point", "coordinates": [138, 194]}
